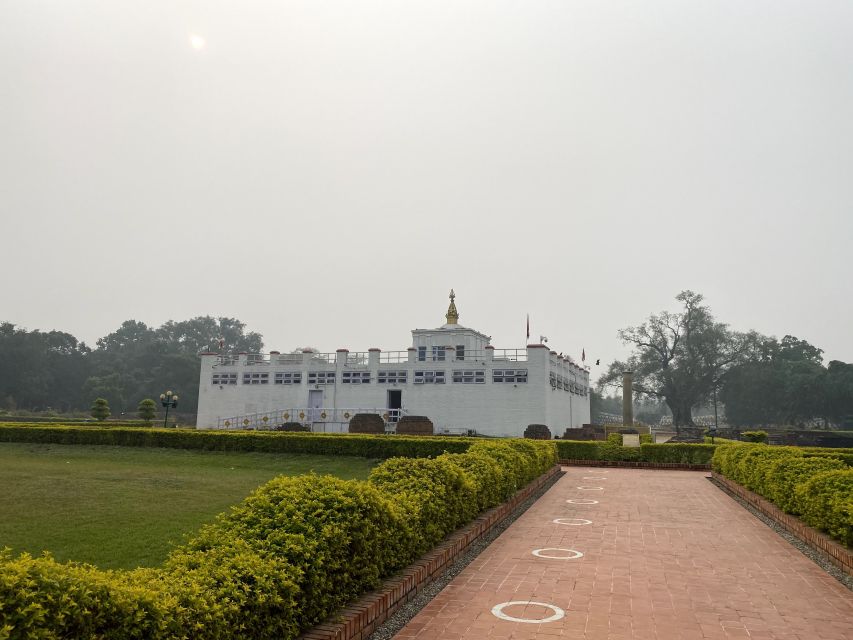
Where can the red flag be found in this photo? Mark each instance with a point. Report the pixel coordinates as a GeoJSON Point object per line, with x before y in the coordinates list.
{"type": "Point", "coordinates": [528, 326]}
{"type": "Point", "coordinates": [583, 355]}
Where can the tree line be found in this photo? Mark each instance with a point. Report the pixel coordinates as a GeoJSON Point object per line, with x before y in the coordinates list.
{"type": "Point", "coordinates": [686, 358]}
{"type": "Point", "coordinates": [42, 371]}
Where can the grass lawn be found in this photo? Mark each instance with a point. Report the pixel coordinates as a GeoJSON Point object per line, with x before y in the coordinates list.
{"type": "Point", "coordinates": [123, 507]}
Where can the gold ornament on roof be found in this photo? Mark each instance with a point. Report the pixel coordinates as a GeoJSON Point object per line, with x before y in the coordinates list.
{"type": "Point", "coordinates": [452, 314]}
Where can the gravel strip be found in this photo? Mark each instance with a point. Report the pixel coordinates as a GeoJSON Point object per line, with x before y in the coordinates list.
{"type": "Point", "coordinates": [409, 610]}
{"type": "Point", "coordinates": [806, 549]}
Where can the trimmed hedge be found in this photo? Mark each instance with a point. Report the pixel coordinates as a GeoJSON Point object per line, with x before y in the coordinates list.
{"type": "Point", "coordinates": [663, 453]}
{"type": "Point", "coordinates": [818, 488]}
{"type": "Point", "coordinates": [287, 557]}
{"type": "Point", "coordinates": [365, 446]}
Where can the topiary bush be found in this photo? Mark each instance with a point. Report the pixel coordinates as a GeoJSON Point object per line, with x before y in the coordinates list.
{"type": "Point", "coordinates": [537, 432]}
{"type": "Point", "coordinates": [366, 423]}
{"type": "Point", "coordinates": [754, 436]}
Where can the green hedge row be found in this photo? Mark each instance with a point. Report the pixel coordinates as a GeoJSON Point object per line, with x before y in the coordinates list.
{"type": "Point", "coordinates": [286, 558]}
{"type": "Point", "coordinates": [613, 450]}
{"type": "Point", "coordinates": [258, 441]}
{"type": "Point", "coordinates": [817, 488]}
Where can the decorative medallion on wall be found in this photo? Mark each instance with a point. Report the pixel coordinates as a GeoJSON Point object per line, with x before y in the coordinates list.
{"type": "Point", "coordinates": [265, 418]}
{"type": "Point", "coordinates": [302, 415]}
{"type": "Point", "coordinates": [346, 415]}
{"type": "Point", "coordinates": [227, 423]}
{"type": "Point", "coordinates": [246, 422]}
{"type": "Point", "coordinates": [323, 415]}
{"type": "Point", "coordinates": [286, 415]}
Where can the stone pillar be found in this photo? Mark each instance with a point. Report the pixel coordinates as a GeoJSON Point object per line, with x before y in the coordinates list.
{"type": "Point", "coordinates": [628, 398]}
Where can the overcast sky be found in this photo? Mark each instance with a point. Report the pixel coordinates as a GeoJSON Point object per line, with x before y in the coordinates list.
{"type": "Point", "coordinates": [326, 171]}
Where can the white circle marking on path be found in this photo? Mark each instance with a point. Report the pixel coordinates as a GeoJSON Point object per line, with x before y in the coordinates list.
{"type": "Point", "coordinates": [498, 612]}
{"type": "Point", "coordinates": [581, 501]}
{"type": "Point", "coordinates": [591, 488]}
{"type": "Point", "coordinates": [578, 522]}
{"type": "Point", "coordinates": [538, 553]}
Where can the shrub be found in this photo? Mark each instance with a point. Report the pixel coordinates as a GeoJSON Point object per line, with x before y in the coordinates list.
{"type": "Point", "coordinates": [415, 426]}
{"type": "Point", "coordinates": [647, 438]}
{"type": "Point", "coordinates": [333, 539]}
{"type": "Point", "coordinates": [146, 410]}
{"type": "Point", "coordinates": [677, 452]}
{"type": "Point", "coordinates": [537, 432]}
{"type": "Point", "coordinates": [826, 501]}
{"type": "Point", "coordinates": [365, 446]}
{"type": "Point", "coordinates": [100, 410]}
{"type": "Point", "coordinates": [287, 557]}
{"type": "Point", "coordinates": [434, 496]}
{"type": "Point", "coordinates": [366, 423]}
{"type": "Point", "coordinates": [754, 463]}
{"type": "Point", "coordinates": [784, 475]}
{"type": "Point", "coordinates": [754, 436]}
{"type": "Point", "coordinates": [293, 427]}
{"type": "Point", "coordinates": [615, 439]}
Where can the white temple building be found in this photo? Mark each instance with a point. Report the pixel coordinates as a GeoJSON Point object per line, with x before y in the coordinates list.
{"type": "Point", "coordinates": [452, 375]}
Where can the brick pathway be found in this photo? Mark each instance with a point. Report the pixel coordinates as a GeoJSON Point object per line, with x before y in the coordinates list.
{"type": "Point", "coordinates": [666, 556]}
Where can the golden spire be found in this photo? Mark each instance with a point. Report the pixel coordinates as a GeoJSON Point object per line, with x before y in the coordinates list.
{"type": "Point", "coordinates": [452, 314]}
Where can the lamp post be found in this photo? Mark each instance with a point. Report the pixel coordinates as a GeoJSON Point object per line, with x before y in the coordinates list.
{"type": "Point", "coordinates": [169, 401]}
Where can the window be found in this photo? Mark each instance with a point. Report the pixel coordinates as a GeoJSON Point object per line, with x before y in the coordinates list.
{"type": "Point", "coordinates": [391, 377]}
{"type": "Point", "coordinates": [256, 378]}
{"type": "Point", "coordinates": [224, 378]}
{"type": "Point", "coordinates": [321, 377]}
{"type": "Point", "coordinates": [294, 377]}
{"type": "Point", "coordinates": [429, 377]}
{"type": "Point", "coordinates": [355, 377]}
{"type": "Point", "coordinates": [469, 377]}
{"type": "Point", "coordinates": [437, 353]}
{"type": "Point", "coordinates": [460, 351]}
{"type": "Point", "coordinates": [421, 354]}
{"type": "Point", "coordinates": [509, 375]}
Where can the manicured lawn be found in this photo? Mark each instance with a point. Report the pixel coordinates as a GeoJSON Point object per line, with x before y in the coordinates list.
{"type": "Point", "coordinates": [123, 507]}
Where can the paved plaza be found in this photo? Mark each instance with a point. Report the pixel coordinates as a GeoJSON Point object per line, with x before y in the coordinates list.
{"type": "Point", "coordinates": [638, 554]}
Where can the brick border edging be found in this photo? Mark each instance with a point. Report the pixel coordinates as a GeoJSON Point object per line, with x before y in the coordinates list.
{"type": "Point", "coordinates": [684, 466]}
{"type": "Point", "coordinates": [359, 620]}
{"type": "Point", "coordinates": [835, 552]}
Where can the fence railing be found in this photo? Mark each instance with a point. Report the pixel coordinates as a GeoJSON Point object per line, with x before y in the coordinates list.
{"type": "Point", "coordinates": [511, 355]}
{"type": "Point", "coordinates": [305, 415]}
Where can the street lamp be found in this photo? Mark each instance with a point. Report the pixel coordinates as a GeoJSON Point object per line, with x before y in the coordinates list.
{"type": "Point", "coordinates": [168, 400]}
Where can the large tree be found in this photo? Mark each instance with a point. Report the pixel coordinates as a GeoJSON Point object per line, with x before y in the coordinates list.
{"type": "Point", "coordinates": [783, 382]}
{"type": "Point", "coordinates": [680, 357]}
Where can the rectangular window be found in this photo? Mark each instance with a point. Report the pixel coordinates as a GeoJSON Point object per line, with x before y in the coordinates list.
{"type": "Point", "coordinates": [512, 376]}
{"type": "Point", "coordinates": [256, 378]}
{"type": "Point", "coordinates": [429, 377]}
{"type": "Point", "coordinates": [421, 354]}
{"type": "Point", "coordinates": [321, 377]}
{"type": "Point", "coordinates": [460, 351]}
{"type": "Point", "coordinates": [469, 377]}
{"type": "Point", "coordinates": [224, 378]}
{"type": "Point", "coordinates": [355, 377]}
{"type": "Point", "coordinates": [288, 377]}
{"type": "Point", "coordinates": [438, 354]}
{"type": "Point", "coordinates": [391, 377]}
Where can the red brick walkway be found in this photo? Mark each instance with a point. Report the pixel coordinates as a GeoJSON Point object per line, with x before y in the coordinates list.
{"type": "Point", "coordinates": [667, 556]}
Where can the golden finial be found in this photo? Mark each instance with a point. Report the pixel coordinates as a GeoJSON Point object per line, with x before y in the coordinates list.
{"type": "Point", "coordinates": [452, 313]}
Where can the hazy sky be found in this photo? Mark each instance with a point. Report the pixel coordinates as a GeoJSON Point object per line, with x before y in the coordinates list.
{"type": "Point", "coordinates": [326, 171]}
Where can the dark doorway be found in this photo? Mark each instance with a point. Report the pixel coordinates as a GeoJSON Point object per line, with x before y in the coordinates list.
{"type": "Point", "coordinates": [395, 401]}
